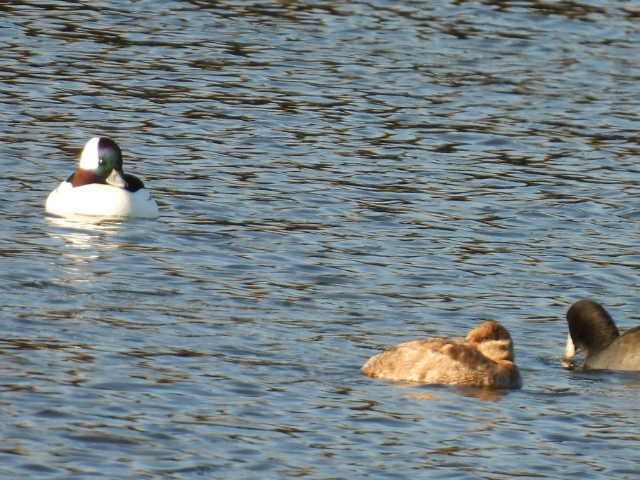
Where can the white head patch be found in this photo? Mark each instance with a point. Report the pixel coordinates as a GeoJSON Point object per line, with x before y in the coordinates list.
{"type": "Point", "coordinates": [90, 156]}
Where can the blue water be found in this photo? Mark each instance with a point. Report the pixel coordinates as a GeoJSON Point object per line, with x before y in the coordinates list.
{"type": "Point", "coordinates": [333, 178]}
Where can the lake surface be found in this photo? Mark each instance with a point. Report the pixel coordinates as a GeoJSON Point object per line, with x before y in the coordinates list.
{"type": "Point", "coordinates": [334, 178]}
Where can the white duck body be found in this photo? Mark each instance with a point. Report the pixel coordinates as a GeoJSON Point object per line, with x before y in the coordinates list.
{"type": "Point", "coordinates": [102, 200]}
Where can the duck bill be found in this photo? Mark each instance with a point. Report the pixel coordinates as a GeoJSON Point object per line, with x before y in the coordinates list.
{"type": "Point", "coordinates": [569, 353]}
{"type": "Point", "coordinates": [569, 349]}
{"type": "Point", "coordinates": [115, 178]}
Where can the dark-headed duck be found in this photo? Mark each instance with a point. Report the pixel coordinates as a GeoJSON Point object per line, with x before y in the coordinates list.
{"type": "Point", "coordinates": [592, 330]}
{"type": "Point", "coordinates": [99, 186]}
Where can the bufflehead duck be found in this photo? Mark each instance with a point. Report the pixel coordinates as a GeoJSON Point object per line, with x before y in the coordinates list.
{"type": "Point", "coordinates": [483, 359]}
{"type": "Point", "coordinates": [99, 186]}
{"type": "Point", "coordinates": [592, 330]}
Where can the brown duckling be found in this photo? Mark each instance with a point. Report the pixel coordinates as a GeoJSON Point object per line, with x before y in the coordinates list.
{"type": "Point", "coordinates": [484, 358]}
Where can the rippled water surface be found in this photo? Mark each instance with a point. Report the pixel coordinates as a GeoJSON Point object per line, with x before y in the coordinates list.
{"type": "Point", "coordinates": [333, 178]}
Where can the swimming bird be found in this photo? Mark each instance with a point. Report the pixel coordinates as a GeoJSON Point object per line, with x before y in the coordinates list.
{"type": "Point", "coordinates": [484, 358]}
{"type": "Point", "coordinates": [592, 330]}
{"type": "Point", "coordinates": [100, 187]}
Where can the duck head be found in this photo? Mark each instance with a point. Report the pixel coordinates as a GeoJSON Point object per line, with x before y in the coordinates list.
{"type": "Point", "coordinates": [591, 329]}
{"type": "Point", "coordinates": [100, 162]}
{"type": "Point", "coordinates": [493, 340]}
